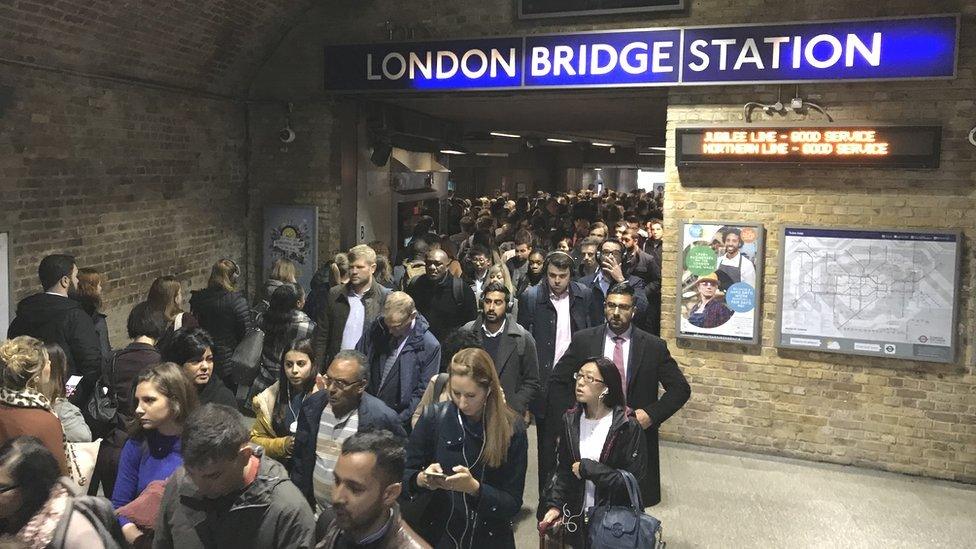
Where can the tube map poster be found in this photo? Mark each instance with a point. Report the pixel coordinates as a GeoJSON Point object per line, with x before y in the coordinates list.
{"type": "Point", "coordinates": [871, 292]}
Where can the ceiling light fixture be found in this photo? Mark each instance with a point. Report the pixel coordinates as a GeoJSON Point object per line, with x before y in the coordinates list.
{"type": "Point", "coordinates": [596, 144]}
{"type": "Point", "coordinates": [492, 154]}
{"type": "Point", "coordinates": [503, 134]}
{"type": "Point", "coordinates": [451, 151]}
{"type": "Point", "coordinates": [555, 140]}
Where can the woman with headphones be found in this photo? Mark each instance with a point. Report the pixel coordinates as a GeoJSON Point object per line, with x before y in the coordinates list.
{"type": "Point", "coordinates": [600, 436]}
{"type": "Point", "coordinates": [471, 454]}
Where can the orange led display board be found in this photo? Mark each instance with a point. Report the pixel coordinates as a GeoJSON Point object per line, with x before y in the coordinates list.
{"type": "Point", "coordinates": [866, 145]}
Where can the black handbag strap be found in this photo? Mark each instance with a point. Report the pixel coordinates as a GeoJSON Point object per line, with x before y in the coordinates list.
{"type": "Point", "coordinates": [633, 490]}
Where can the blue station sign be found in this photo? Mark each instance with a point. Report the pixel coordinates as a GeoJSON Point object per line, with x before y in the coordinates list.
{"type": "Point", "coordinates": [881, 49]}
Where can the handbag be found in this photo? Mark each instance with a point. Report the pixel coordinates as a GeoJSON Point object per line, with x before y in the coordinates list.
{"type": "Point", "coordinates": [81, 458]}
{"type": "Point", "coordinates": [103, 406]}
{"type": "Point", "coordinates": [622, 527]}
{"type": "Point", "coordinates": [245, 361]}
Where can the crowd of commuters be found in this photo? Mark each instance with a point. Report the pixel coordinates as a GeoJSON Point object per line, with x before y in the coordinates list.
{"type": "Point", "coordinates": [391, 405]}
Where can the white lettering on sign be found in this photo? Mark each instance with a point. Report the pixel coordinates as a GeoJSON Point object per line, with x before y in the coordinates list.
{"type": "Point", "coordinates": [599, 59]}
{"type": "Point", "coordinates": [822, 51]}
{"type": "Point", "coordinates": [442, 65]}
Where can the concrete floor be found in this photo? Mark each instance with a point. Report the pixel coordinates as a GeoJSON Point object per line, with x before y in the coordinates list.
{"type": "Point", "coordinates": [717, 498]}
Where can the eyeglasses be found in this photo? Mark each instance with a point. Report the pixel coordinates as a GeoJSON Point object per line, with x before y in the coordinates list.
{"type": "Point", "coordinates": [6, 488]}
{"type": "Point", "coordinates": [590, 380]}
{"type": "Point", "coordinates": [340, 383]}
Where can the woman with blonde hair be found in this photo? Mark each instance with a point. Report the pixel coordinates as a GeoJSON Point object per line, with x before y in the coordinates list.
{"type": "Point", "coordinates": [23, 409]}
{"type": "Point", "coordinates": [283, 271]}
{"type": "Point", "coordinates": [166, 297]}
{"type": "Point", "coordinates": [471, 452]}
{"type": "Point", "coordinates": [72, 422]}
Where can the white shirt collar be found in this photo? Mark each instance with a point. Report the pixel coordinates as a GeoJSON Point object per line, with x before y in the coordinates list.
{"type": "Point", "coordinates": [497, 333]}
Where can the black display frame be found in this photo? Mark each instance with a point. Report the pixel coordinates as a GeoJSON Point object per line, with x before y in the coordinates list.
{"type": "Point", "coordinates": [674, 6]}
{"type": "Point", "coordinates": [931, 132]}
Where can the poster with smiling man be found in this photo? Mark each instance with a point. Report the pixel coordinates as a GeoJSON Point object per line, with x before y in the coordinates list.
{"type": "Point", "coordinates": [720, 281]}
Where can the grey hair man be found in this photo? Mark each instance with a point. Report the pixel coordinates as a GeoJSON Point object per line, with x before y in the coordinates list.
{"type": "Point", "coordinates": [330, 416]}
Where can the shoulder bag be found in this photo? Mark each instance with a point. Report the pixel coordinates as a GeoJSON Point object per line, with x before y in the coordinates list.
{"type": "Point", "coordinates": [622, 527]}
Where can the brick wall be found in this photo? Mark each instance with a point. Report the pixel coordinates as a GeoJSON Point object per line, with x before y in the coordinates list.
{"type": "Point", "coordinates": [134, 181]}
{"type": "Point", "coordinates": [303, 172]}
{"type": "Point", "coordinates": [912, 417]}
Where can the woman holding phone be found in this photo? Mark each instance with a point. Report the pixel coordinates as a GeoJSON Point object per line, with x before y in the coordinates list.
{"type": "Point", "coordinates": [471, 454]}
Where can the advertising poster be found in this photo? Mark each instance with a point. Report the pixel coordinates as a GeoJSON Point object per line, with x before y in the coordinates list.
{"type": "Point", "coordinates": [886, 293]}
{"type": "Point", "coordinates": [292, 232]}
{"type": "Point", "coordinates": [720, 281]}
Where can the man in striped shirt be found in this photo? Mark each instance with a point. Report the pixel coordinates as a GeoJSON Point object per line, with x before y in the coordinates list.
{"type": "Point", "coordinates": [331, 416]}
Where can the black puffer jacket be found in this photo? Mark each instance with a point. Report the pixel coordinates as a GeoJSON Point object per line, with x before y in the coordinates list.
{"type": "Point", "coordinates": [226, 317]}
{"type": "Point", "coordinates": [624, 448]}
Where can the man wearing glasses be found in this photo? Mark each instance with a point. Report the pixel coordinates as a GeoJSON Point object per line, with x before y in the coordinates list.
{"type": "Point", "coordinates": [329, 417]}
{"type": "Point", "coordinates": [643, 361]}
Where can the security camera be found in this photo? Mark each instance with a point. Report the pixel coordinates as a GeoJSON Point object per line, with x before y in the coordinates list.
{"type": "Point", "coordinates": [286, 134]}
{"type": "Point", "coordinates": [972, 136]}
{"type": "Point", "coordinates": [613, 150]}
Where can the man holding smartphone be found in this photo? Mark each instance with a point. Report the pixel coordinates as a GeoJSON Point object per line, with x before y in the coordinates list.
{"type": "Point", "coordinates": [610, 258]}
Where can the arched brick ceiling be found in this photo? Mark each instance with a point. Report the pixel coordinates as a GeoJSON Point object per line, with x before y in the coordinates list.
{"type": "Point", "coordinates": [211, 45]}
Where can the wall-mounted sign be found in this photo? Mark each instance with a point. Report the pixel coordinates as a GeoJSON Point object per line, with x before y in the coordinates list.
{"type": "Point", "coordinates": [870, 292]}
{"type": "Point", "coordinates": [720, 281]}
{"type": "Point", "coordinates": [534, 9]}
{"type": "Point", "coordinates": [291, 232]}
{"type": "Point", "coordinates": [882, 49]}
{"type": "Point", "coordinates": [864, 145]}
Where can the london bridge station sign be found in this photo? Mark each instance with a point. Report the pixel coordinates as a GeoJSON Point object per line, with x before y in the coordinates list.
{"type": "Point", "coordinates": [879, 49]}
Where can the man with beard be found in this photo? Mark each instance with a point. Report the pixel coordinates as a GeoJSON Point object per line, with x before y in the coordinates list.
{"type": "Point", "coordinates": [511, 347]}
{"type": "Point", "coordinates": [644, 363]}
{"type": "Point", "coordinates": [518, 265]}
{"type": "Point", "coordinates": [735, 266]}
{"type": "Point", "coordinates": [444, 300]}
{"type": "Point", "coordinates": [54, 317]}
{"type": "Point", "coordinates": [364, 512]}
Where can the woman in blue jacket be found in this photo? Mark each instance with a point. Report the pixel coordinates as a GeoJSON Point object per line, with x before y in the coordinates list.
{"type": "Point", "coordinates": [471, 453]}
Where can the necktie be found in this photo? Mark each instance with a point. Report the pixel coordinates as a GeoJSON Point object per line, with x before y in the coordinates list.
{"type": "Point", "coordinates": [618, 359]}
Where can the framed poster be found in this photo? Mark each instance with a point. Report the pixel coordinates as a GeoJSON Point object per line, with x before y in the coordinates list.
{"type": "Point", "coordinates": [720, 281]}
{"type": "Point", "coordinates": [887, 293]}
{"type": "Point", "coordinates": [291, 232]}
{"type": "Point", "coordinates": [6, 287]}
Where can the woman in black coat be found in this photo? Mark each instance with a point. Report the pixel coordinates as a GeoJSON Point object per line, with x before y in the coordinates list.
{"type": "Point", "coordinates": [471, 453]}
{"type": "Point", "coordinates": [224, 313]}
{"type": "Point", "coordinates": [599, 438]}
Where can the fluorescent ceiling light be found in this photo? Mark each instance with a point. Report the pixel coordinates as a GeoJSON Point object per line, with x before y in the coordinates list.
{"type": "Point", "coordinates": [451, 151]}
{"type": "Point", "coordinates": [595, 144]}
{"type": "Point", "coordinates": [503, 134]}
{"type": "Point", "coordinates": [554, 140]}
{"type": "Point", "coordinates": [598, 169]}
{"type": "Point", "coordinates": [492, 154]}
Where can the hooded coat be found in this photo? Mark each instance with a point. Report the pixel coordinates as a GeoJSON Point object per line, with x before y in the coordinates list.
{"type": "Point", "coordinates": [419, 360]}
{"type": "Point", "coordinates": [269, 513]}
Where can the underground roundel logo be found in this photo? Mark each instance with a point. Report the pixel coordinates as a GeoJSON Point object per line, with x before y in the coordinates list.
{"type": "Point", "coordinates": [922, 338]}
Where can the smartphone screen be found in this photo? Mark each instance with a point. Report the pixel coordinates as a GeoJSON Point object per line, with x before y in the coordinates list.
{"type": "Point", "coordinates": [71, 385]}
